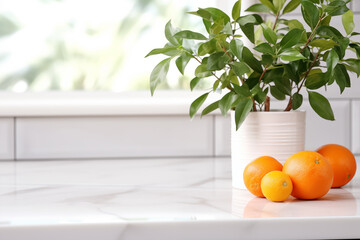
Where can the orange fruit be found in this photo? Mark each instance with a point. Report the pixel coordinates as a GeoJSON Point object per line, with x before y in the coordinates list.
{"type": "Point", "coordinates": [256, 170]}
{"type": "Point", "coordinates": [276, 186]}
{"type": "Point", "coordinates": [310, 173]}
{"type": "Point", "coordinates": [342, 161]}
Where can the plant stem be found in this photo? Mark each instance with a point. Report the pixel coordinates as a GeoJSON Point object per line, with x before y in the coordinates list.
{"type": "Point", "coordinates": [289, 106]}
{"type": "Point", "coordinates": [308, 71]}
{"type": "Point", "coordinates": [267, 103]}
{"type": "Point", "coordinates": [263, 73]}
{"type": "Point", "coordinates": [231, 59]}
{"type": "Point", "coordinates": [312, 33]}
{"type": "Point", "coordinates": [254, 105]}
{"type": "Point", "coordinates": [276, 19]}
{"type": "Point", "coordinates": [199, 61]}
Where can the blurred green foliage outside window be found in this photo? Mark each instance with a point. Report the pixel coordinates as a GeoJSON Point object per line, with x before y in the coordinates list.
{"type": "Point", "coordinates": [96, 45]}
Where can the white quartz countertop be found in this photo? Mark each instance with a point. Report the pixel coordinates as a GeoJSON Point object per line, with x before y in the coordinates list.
{"type": "Point", "coordinates": [159, 199]}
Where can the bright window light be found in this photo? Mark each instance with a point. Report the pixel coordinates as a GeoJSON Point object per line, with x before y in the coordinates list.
{"type": "Point", "coordinates": [88, 45]}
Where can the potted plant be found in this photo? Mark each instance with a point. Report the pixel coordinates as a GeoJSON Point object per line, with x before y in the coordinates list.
{"type": "Point", "coordinates": [287, 59]}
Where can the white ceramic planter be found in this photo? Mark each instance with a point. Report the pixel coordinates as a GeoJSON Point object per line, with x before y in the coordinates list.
{"type": "Point", "coordinates": [278, 134]}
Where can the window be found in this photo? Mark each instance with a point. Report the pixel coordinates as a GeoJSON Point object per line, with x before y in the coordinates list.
{"type": "Point", "coordinates": [86, 45]}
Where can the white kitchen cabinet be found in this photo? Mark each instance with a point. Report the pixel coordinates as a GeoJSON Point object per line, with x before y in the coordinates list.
{"type": "Point", "coordinates": [113, 137]}
{"type": "Point", "coordinates": [7, 138]}
{"type": "Point", "coordinates": [355, 122]}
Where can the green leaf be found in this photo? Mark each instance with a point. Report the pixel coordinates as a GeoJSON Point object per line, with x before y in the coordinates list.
{"type": "Point", "coordinates": [195, 105]}
{"type": "Point", "coordinates": [291, 38]}
{"type": "Point", "coordinates": [201, 71]}
{"type": "Point", "coordinates": [258, 7]}
{"type": "Point", "coordinates": [346, 74]}
{"type": "Point", "coordinates": [323, 44]}
{"type": "Point", "coordinates": [236, 10]}
{"type": "Point", "coordinates": [348, 21]}
{"type": "Point", "coordinates": [190, 35]}
{"type": "Point", "coordinates": [265, 48]}
{"type": "Point", "coordinates": [242, 91]}
{"type": "Point", "coordinates": [170, 31]}
{"type": "Point", "coordinates": [290, 72]}
{"type": "Point", "coordinates": [182, 61]}
{"type": "Point", "coordinates": [217, 27]}
{"type": "Point", "coordinates": [342, 77]}
{"type": "Point", "coordinates": [253, 79]}
{"type": "Point", "coordinates": [247, 25]}
{"type": "Point", "coordinates": [331, 61]}
{"type": "Point", "coordinates": [269, 34]}
{"type": "Point", "coordinates": [236, 47]}
{"type": "Point", "coordinates": [217, 14]}
{"type": "Point", "coordinates": [203, 14]}
{"type": "Point", "coordinates": [273, 74]}
{"type": "Point", "coordinates": [240, 68]}
{"type": "Point", "coordinates": [158, 74]}
{"type": "Point", "coordinates": [321, 105]}
{"type": "Point", "coordinates": [295, 24]}
{"type": "Point", "coordinates": [217, 61]}
{"type": "Point", "coordinates": [354, 34]}
{"type": "Point", "coordinates": [310, 13]}
{"type": "Point", "coordinates": [283, 85]}
{"type": "Point", "coordinates": [170, 51]}
{"type": "Point", "coordinates": [357, 49]}
{"type": "Point", "coordinates": [216, 85]}
{"type": "Point", "coordinates": [227, 29]}
{"type": "Point", "coordinates": [297, 100]}
{"type": "Point", "coordinates": [342, 47]}
{"type": "Point", "coordinates": [329, 32]}
{"type": "Point", "coordinates": [269, 5]}
{"type": "Point", "coordinates": [278, 5]}
{"type": "Point", "coordinates": [249, 19]}
{"type": "Point", "coordinates": [336, 7]}
{"type": "Point", "coordinates": [248, 30]}
{"type": "Point", "coordinates": [291, 6]}
{"type": "Point", "coordinates": [212, 107]}
{"type": "Point", "coordinates": [225, 103]}
{"type": "Point", "coordinates": [242, 109]}
{"type": "Point", "coordinates": [276, 93]}
{"type": "Point", "coordinates": [232, 78]}
{"type": "Point", "coordinates": [316, 80]}
{"type": "Point", "coordinates": [267, 59]}
{"type": "Point", "coordinates": [291, 55]}
{"type": "Point", "coordinates": [207, 25]}
{"type": "Point", "coordinates": [251, 61]}
{"type": "Point", "coordinates": [258, 94]}
{"type": "Point", "coordinates": [353, 65]}
{"type": "Point", "coordinates": [194, 82]}
{"type": "Point", "coordinates": [207, 47]}
{"type": "Point", "coordinates": [326, 21]}
{"type": "Point", "coordinates": [227, 79]}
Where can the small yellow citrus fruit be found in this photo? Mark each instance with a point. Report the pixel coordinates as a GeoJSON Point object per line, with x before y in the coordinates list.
{"type": "Point", "coordinates": [276, 186]}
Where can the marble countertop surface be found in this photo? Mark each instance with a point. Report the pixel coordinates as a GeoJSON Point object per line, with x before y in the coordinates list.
{"type": "Point", "coordinates": [160, 199]}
